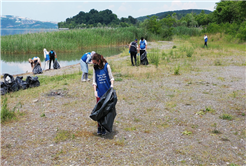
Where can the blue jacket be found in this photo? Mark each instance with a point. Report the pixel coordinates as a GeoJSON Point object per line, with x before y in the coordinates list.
{"type": "Point", "coordinates": [102, 80]}
{"type": "Point", "coordinates": [86, 57]}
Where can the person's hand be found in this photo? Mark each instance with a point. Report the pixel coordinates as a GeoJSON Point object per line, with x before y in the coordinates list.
{"type": "Point", "coordinates": [96, 95]}
{"type": "Point", "coordinates": [112, 86]}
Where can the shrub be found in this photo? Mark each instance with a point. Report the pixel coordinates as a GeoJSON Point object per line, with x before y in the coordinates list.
{"type": "Point", "coordinates": [154, 58]}
{"type": "Point", "coordinates": [163, 55]}
{"type": "Point", "coordinates": [176, 70]}
{"type": "Point", "coordinates": [189, 52]}
{"type": "Point", "coordinates": [5, 113]}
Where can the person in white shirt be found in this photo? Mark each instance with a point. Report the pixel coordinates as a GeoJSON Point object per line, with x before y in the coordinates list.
{"type": "Point", "coordinates": [46, 58]}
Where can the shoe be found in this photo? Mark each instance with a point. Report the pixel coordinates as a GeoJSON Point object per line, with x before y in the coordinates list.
{"type": "Point", "coordinates": [99, 131]}
{"type": "Point", "coordinates": [103, 132]}
{"type": "Point", "coordinates": [83, 80]}
{"type": "Point", "coordinates": [88, 79]}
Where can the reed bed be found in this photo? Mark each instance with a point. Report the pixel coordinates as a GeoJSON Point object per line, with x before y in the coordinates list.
{"type": "Point", "coordinates": [72, 40]}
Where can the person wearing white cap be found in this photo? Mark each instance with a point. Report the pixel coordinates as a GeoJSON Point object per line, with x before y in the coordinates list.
{"type": "Point", "coordinates": [46, 58]}
{"type": "Point", "coordinates": [84, 61]}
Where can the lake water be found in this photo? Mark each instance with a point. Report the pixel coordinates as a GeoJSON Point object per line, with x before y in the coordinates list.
{"type": "Point", "coordinates": [17, 64]}
{"type": "Point", "coordinates": [7, 31]}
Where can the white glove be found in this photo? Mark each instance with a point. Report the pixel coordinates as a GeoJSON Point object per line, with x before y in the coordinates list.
{"type": "Point", "coordinates": [96, 95]}
{"type": "Point", "coordinates": [111, 86]}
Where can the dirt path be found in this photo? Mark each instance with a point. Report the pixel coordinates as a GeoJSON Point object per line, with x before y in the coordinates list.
{"type": "Point", "coordinates": [162, 118]}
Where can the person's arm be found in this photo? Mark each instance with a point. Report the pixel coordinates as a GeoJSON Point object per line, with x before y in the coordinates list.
{"type": "Point", "coordinates": [88, 59]}
{"type": "Point", "coordinates": [94, 84]}
{"type": "Point", "coordinates": [45, 55]}
{"type": "Point", "coordinates": [145, 45]}
{"type": "Point", "coordinates": [110, 75]}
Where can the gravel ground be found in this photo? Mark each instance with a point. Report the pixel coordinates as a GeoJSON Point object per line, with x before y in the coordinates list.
{"type": "Point", "coordinates": [162, 119]}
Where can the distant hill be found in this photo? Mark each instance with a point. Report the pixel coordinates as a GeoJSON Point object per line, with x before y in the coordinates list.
{"type": "Point", "coordinates": [180, 13]}
{"type": "Point", "coordinates": [9, 21]}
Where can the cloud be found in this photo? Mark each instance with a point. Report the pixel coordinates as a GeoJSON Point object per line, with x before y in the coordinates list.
{"type": "Point", "coordinates": [111, 7]}
{"type": "Point", "coordinates": [123, 7]}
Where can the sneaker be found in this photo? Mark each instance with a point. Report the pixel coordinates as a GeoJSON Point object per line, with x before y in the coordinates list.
{"type": "Point", "coordinates": [103, 132]}
{"type": "Point", "coordinates": [99, 131]}
{"type": "Point", "coordinates": [88, 79]}
{"type": "Point", "coordinates": [83, 80]}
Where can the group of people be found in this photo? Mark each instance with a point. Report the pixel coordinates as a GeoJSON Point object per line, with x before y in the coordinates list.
{"type": "Point", "coordinates": [134, 49]}
{"type": "Point", "coordinates": [48, 57]}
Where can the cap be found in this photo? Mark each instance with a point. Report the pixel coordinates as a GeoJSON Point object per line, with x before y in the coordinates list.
{"type": "Point", "coordinates": [92, 53]}
{"type": "Point", "coordinates": [136, 39]}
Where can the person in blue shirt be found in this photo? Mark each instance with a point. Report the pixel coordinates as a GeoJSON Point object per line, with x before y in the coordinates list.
{"type": "Point", "coordinates": [205, 40]}
{"type": "Point", "coordinates": [84, 61]}
{"type": "Point", "coordinates": [103, 80]}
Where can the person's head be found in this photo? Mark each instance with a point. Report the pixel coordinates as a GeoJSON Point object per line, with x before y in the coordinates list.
{"type": "Point", "coordinates": [45, 50]}
{"type": "Point", "coordinates": [136, 40]}
{"type": "Point", "coordinates": [30, 61]}
{"type": "Point", "coordinates": [142, 38]}
{"type": "Point", "coordinates": [98, 61]}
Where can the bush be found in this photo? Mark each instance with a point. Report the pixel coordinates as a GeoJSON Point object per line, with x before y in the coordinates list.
{"type": "Point", "coordinates": [242, 32]}
{"type": "Point", "coordinates": [213, 28]}
{"type": "Point", "coordinates": [189, 52]}
{"type": "Point", "coordinates": [154, 58]}
{"type": "Point", "coordinates": [5, 113]}
{"type": "Point", "coordinates": [176, 70]}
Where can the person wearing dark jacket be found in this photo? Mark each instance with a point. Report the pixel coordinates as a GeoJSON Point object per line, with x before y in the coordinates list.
{"type": "Point", "coordinates": [133, 49]}
{"type": "Point", "coordinates": [52, 55]}
{"type": "Point", "coordinates": [103, 80]}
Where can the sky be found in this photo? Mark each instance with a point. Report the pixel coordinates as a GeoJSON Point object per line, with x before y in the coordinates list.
{"type": "Point", "coordinates": [60, 10]}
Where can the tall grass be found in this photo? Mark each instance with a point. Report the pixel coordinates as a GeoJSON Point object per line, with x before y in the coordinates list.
{"type": "Point", "coordinates": [71, 40]}
{"type": "Point", "coordinates": [154, 57]}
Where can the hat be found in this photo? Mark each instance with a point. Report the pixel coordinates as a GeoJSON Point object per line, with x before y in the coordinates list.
{"type": "Point", "coordinates": [136, 39]}
{"type": "Point", "coordinates": [92, 53]}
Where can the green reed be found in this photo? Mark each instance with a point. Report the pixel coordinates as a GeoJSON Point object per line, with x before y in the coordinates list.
{"type": "Point", "coordinates": [71, 40]}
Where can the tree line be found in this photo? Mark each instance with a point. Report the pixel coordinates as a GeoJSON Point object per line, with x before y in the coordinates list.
{"type": "Point", "coordinates": [229, 17]}
{"type": "Point", "coordinates": [96, 18]}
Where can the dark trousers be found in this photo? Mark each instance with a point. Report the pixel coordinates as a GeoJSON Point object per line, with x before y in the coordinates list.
{"type": "Point", "coordinates": [205, 44]}
{"type": "Point", "coordinates": [133, 55]}
{"type": "Point", "coordinates": [52, 58]}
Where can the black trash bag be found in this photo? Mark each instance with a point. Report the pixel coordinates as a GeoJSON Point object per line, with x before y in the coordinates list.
{"type": "Point", "coordinates": [32, 82]}
{"type": "Point", "coordinates": [10, 82]}
{"type": "Point", "coordinates": [21, 84]}
{"type": "Point", "coordinates": [143, 58]}
{"type": "Point", "coordinates": [104, 112]}
{"type": "Point", "coordinates": [108, 120]}
{"type": "Point", "coordinates": [37, 69]}
{"type": "Point", "coordinates": [56, 65]}
{"type": "Point", "coordinates": [4, 88]}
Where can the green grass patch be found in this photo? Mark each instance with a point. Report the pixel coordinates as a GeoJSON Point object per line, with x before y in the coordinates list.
{"type": "Point", "coordinates": [226, 117]}
{"type": "Point", "coordinates": [6, 114]}
{"type": "Point", "coordinates": [63, 135]}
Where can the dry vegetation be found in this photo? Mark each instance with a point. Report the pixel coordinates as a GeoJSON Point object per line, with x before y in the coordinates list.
{"type": "Point", "coordinates": [181, 110]}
